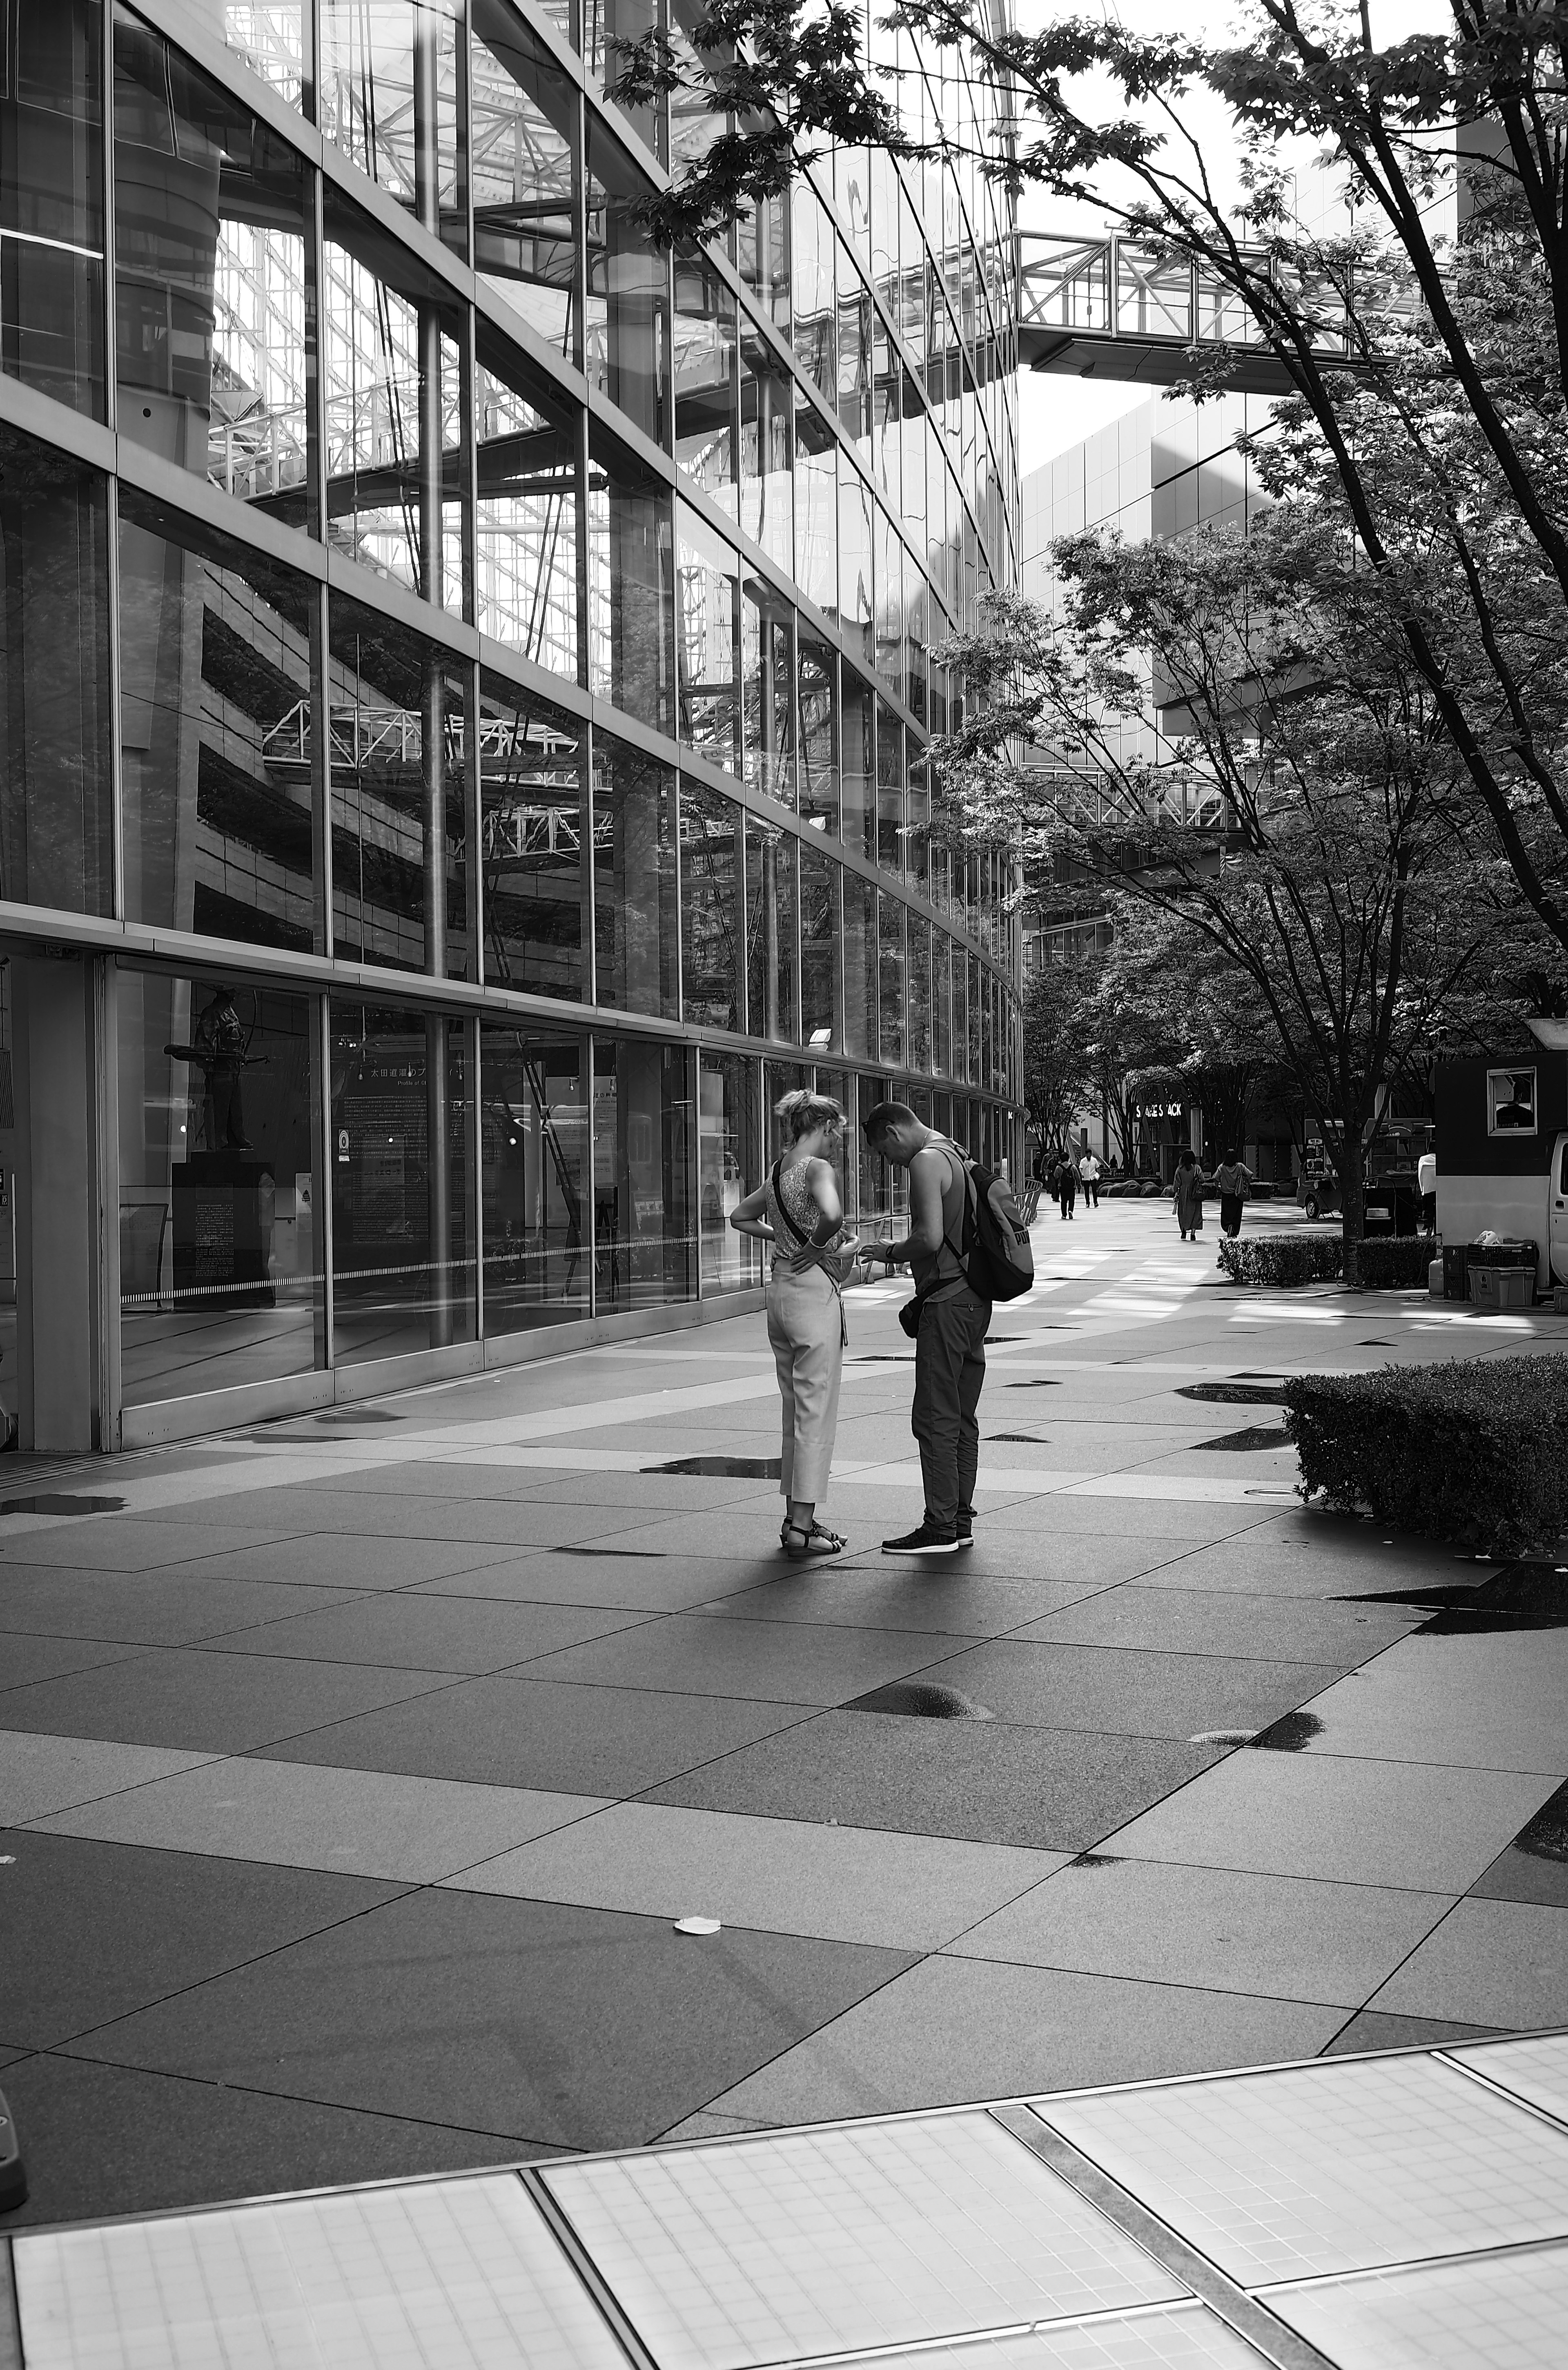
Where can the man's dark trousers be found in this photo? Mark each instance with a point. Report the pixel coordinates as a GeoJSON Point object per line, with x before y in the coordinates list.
{"type": "Point", "coordinates": [950, 1368]}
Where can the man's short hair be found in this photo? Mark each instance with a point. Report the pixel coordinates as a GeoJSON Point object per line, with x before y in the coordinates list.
{"type": "Point", "coordinates": [882, 1118]}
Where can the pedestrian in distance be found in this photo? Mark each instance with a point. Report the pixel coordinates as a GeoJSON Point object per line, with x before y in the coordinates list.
{"type": "Point", "coordinates": [1066, 1185]}
{"type": "Point", "coordinates": [1187, 1193]}
{"type": "Point", "coordinates": [800, 1210]}
{"type": "Point", "coordinates": [953, 1321]}
{"type": "Point", "coordinates": [1234, 1181]}
{"type": "Point", "coordinates": [1088, 1178]}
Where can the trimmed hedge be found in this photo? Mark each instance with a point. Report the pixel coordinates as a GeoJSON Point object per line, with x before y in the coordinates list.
{"type": "Point", "coordinates": [1475, 1451]}
{"type": "Point", "coordinates": [1316, 1254]}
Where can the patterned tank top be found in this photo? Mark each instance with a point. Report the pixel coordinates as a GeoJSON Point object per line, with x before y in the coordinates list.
{"type": "Point", "coordinates": [800, 1202]}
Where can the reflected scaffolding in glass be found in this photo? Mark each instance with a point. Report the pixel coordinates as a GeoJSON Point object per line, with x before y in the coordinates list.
{"type": "Point", "coordinates": [767, 673]}
{"type": "Point", "coordinates": [533, 1168]}
{"type": "Point", "coordinates": [403, 1270]}
{"type": "Point", "coordinates": [644, 1154]}
{"type": "Point", "coordinates": [627, 338]}
{"type": "Point", "coordinates": [704, 375]}
{"type": "Point", "coordinates": [522, 144]}
{"type": "Point", "coordinates": [817, 695]}
{"type": "Point", "coordinates": [858, 775]}
{"type": "Point", "coordinates": [816, 508]}
{"type": "Point", "coordinates": [766, 415]}
{"type": "Point", "coordinates": [534, 884]}
{"type": "Point", "coordinates": [708, 604]}
{"type": "Point", "coordinates": [631, 583]}
{"type": "Point", "coordinates": [52, 234]}
{"type": "Point", "coordinates": [526, 527]}
{"type": "Point", "coordinates": [822, 1012]}
{"type": "Point", "coordinates": [729, 1157]}
{"type": "Point", "coordinates": [221, 1252]}
{"type": "Point", "coordinates": [711, 829]}
{"type": "Point", "coordinates": [635, 917]}
{"type": "Point", "coordinates": [271, 37]}
{"type": "Point", "coordinates": [772, 954]}
{"type": "Point", "coordinates": [387, 97]}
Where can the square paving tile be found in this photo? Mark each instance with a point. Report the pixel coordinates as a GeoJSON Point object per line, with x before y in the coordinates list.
{"type": "Point", "coordinates": [1366, 1822]}
{"type": "Point", "coordinates": [1493, 1701]}
{"type": "Point", "coordinates": [518, 1523]}
{"type": "Point", "coordinates": [1044, 1788]}
{"type": "Point", "coordinates": [954, 2029]}
{"type": "Point", "coordinates": [205, 1702]}
{"type": "Point", "coordinates": [571, 2027]}
{"type": "Point", "coordinates": [1284, 1938]}
{"type": "Point", "coordinates": [108, 2140]}
{"type": "Point", "coordinates": [39, 1773]}
{"type": "Point", "coordinates": [111, 1543]}
{"type": "Point", "coordinates": [1203, 1621]}
{"type": "Point", "coordinates": [352, 1560]}
{"type": "Point", "coordinates": [609, 1741]}
{"type": "Point", "coordinates": [363, 1823]}
{"type": "Point", "coordinates": [420, 1632]}
{"type": "Point", "coordinates": [151, 1608]}
{"type": "Point", "coordinates": [625, 1581]}
{"type": "Point", "coordinates": [1489, 1962]}
{"type": "Point", "coordinates": [109, 1929]}
{"type": "Point", "coordinates": [24, 1659]}
{"type": "Point", "coordinates": [1370, 2031]}
{"type": "Point", "coordinates": [881, 1594]}
{"type": "Point", "coordinates": [847, 1884]}
{"type": "Point", "coordinates": [1129, 1692]}
{"type": "Point", "coordinates": [787, 1662]}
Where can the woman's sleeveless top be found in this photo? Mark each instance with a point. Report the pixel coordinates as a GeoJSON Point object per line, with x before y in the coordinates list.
{"type": "Point", "coordinates": [800, 1202]}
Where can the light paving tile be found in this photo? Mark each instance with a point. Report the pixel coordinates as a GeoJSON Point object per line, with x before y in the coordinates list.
{"type": "Point", "coordinates": [1331, 2168]}
{"type": "Point", "coordinates": [297, 1814]}
{"type": "Point", "coordinates": [758, 2251]}
{"type": "Point", "coordinates": [1489, 1962]}
{"type": "Point", "coordinates": [1500, 2312]}
{"type": "Point", "coordinates": [1535, 2068]}
{"type": "Point", "coordinates": [843, 1884]}
{"type": "Point", "coordinates": [464, 2273]}
{"type": "Point", "coordinates": [41, 1773]}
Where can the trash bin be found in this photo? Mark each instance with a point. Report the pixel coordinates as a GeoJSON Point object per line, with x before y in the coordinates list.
{"type": "Point", "coordinates": [1457, 1258]}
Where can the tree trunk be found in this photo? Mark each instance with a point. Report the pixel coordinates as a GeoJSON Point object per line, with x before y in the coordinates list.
{"type": "Point", "coordinates": [1352, 1202]}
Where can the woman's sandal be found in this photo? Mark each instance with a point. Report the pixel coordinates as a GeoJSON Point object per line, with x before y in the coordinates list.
{"type": "Point", "coordinates": [813, 1542]}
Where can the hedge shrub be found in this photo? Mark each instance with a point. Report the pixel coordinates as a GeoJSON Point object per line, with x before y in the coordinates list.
{"type": "Point", "coordinates": [1475, 1451]}
{"type": "Point", "coordinates": [1316, 1254]}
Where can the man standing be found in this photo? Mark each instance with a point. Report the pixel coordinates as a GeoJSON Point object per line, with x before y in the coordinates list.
{"type": "Point", "coordinates": [1089, 1173]}
{"type": "Point", "coordinates": [949, 1346]}
{"type": "Point", "coordinates": [1067, 1184]}
{"type": "Point", "coordinates": [1233, 1178]}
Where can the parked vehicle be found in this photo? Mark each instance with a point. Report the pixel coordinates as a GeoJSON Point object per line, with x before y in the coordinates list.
{"type": "Point", "coordinates": [1503, 1154]}
{"type": "Point", "coordinates": [1392, 1189]}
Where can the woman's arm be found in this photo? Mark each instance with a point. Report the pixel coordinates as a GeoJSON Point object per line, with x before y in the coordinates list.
{"type": "Point", "coordinates": [747, 1217]}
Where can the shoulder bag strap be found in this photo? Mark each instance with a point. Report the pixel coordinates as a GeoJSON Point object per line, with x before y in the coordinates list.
{"type": "Point", "coordinates": [778, 1200]}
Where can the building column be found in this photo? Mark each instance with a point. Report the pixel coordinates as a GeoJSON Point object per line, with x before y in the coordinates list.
{"type": "Point", "coordinates": [64, 1253]}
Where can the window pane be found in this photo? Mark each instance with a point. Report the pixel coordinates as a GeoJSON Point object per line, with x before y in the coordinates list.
{"type": "Point", "coordinates": [610, 28]}
{"type": "Point", "coordinates": [531, 809]}
{"type": "Point", "coordinates": [767, 400]}
{"type": "Point", "coordinates": [533, 1151]}
{"type": "Point", "coordinates": [644, 1149]}
{"type": "Point", "coordinates": [859, 967]}
{"type": "Point", "coordinates": [212, 355]}
{"type": "Point", "coordinates": [710, 912]}
{"type": "Point", "coordinates": [397, 749]}
{"type": "Point", "coordinates": [389, 100]}
{"type": "Point", "coordinates": [941, 989]}
{"type": "Point", "coordinates": [812, 246]}
{"type": "Point", "coordinates": [708, 590]}
{"type": "Point", "coordinates": [524, 118]}
{"type": "Point", "coordinates": [52, 202]}
{"type": "Point", "coordinates": [402, 1257]}
{"type": "Point", "coordinates": [218, 768]}
{"type": "Point", "coordinates": [631, 583]}
{"type": "Point", "coordinates": [772, 960]}
{"type": "Point", "coordinates": [763, 244]}
{"type": "Point", "coordinates": [891, 617]}
{"type": "Point", "coordinates": [767, 671]}
{"type": "Point", "coordinates": [628, 304]}
{"type": "Point", "coordinates": [891, 995]}
{"type": "Point", "coordinates": [818, 692]}
{"type": "Point", "coordinates": [221, 1276]}
{"type": "Point", "coordinates": [854, 352]}
{"type": "Point", "coordinates": [890, 791]}
{"type": "Point", "coordinates": [855, 561]}
{"type": "Point", "coordinates": [704, 377]}
{"type": "Point", "coordinates": [729, 1162]}
{"type": "Point", "coordinates": [816, 508]}
{"type": "Point", "coordinates": [822, 1020]}
{"type": "Point", "coordinates": [919, 994]}
{"type": "Point", "coordinates": [635, 937]}
{"type": "Point", "coordinates": [526, 541]}
{"type": "Point", "coordinates": [859, 824]}
{"type": "Point", "coordinates": [56, 795]}
{"type": "Point", "coordinates": [959, 1013]}
{"type": "Point", "coordinates": [273, 37]}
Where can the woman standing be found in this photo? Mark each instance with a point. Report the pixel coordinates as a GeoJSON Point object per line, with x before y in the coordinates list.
{"type": "Point", "coordinates": [1187, 1193]}
{"type": "Point", "coordinates": [801, 1212]}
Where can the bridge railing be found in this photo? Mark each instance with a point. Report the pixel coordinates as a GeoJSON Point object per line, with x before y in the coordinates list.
{"type": "Point", "coordinates": [1112, 286]}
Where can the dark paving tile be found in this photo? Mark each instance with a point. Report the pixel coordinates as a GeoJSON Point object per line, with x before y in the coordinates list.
{"type": "Point", "coordinates": [111, 1543]}
{"type": "Point", "coordinates": [108, 2140]}
{"type": "Point", "coordinates": [110, 1927]}
{"type": "Point", "coordinates": [1126, 1693]}
{"type": "Point", "coordinates": [8, 2055]}
{"type": "Point", "coordinates": [579, 2028]}
{"type": "Point", "coordinates": [419, 1632]}
{"type": "Point", "coordinates": [203, 1702]}
{"type": "Point", "coordinates": [1535, 1866]}
{"type": "Point", "coordinates": [574, 1740]}
{"type": "Point", "coordinates": [946, 1600]}
{"type": "Point", "coordinates": [519, 1523]}
{"type": "Point", "coordinates": [579, 1576]}
{"type": "Point", "coordinates": [985, 1781]}
{"type": "Point", "coordinates": [783, 1662]}
{"type": "Point", "coordinates": [643, 1493]}
{"type": "Point", "coordinates": [24, 1659]}
{"type": "Point", "coordinates": [1082, 1561]}
{"type": "Point", "coordinates": [150, 1608]}
{"type": "Point", "coordinates": [1197, 1621]}
{"type": "Point", "coordinates": [1374, 2030]}
{"type": "Point", "coordinates": [334, 1558]}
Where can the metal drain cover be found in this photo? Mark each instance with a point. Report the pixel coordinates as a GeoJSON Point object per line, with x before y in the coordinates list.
{"type": "Point", "coordinates": [920, 1700]}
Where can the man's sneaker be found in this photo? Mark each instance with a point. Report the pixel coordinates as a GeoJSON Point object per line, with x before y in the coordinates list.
{"type": "Point", "coordinates": [923, 1541]}
{"type": "Point", "coordinates": [966, 1530]}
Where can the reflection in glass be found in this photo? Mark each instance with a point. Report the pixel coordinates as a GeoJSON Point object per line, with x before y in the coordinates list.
{"type": "Point", "coordinates": [219, 771]}
{"type": "Point", "coordinates": [919, 992]}
{"type": "Point", "coordinates": [533, 1165]}
{"type": "Point", "coordinates": [767, 626]}
{"type": "Point", "coordinates": [221, 1278]}
{"type": "Point", "coordinates": [631, 582]}
{"type": "Point", "coordinates": [644, 1153]}
{"type": "Point", "coordinates": [854, 383]}
{"type": "Point", "coordinates": [816, 508]}
{"type": "Point", "coordinates": [56, 793]}
{"type": "Point", "coordinates": [855, 561]}
{"type": "Point", "coordinates": [211, 307]}
{"type": "Point", "coordinates": [397, 743]}
{"type": "Point", "coordinates": [766, 496]}
{"type": "Point", "coordinates": [610, 28]}
{"type": "Point", "coordinates": [52, 201]}
{"type": "Point", "coordinates": [858, 776]}
{"type": "Point", "coordinates": [890, 791]}
{"type": "Point", "coordinates": [772, 956]}
{"type": "Point", "coordinates": [763, 247]}
{"type": "Point", "coordinates": [812, 246]}
{"type": "Point", "coordinates": [636, 932]}
{"type": "Point", "coordinates": [729, 1157]}
{"type": "Point", "coordinates": [628, 303]}
{"type": "Point", "coordinates": [942, 990]}
{"type": "Point", "coordinates": [710, 907]}
{"type": "Point", "coordinates": [859, 966]}
{"type": "Point", "coordinates": [390, 345]}
{"type": "Point", "coordinates": [531, 809]}
{"type": "Point", "coordinates": [526, 540]}
{"type": "Point", "coordinates": [818, 699]}
{"type": "Point", "coordinates": [822, 1018]}
{"type": "Point", "coordinates": [402, 1248]}
{"type": "Point", "coordinates": [891, 605]}
{"type": "Point", "coordinates": [525, 116]}
{"type": "Point", "coordinates": [890, 999]}
{"type": "Point", "coordinates": [959, 1013]}
{"type": "Point", "coordinates": [389, 100]}
{"type": "Point", "coordinates": [704, 377]}
{"type": "Point", "coordinates": [707, 603]}
{"type": "Point", "coordinates": [270, 37]}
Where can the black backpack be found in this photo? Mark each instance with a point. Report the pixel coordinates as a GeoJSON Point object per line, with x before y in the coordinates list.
{"type": "Point", "coordinates": [996, 1252]}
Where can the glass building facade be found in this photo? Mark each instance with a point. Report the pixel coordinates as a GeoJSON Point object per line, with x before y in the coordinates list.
{"type": "Point", "coordinates": [468, 676]}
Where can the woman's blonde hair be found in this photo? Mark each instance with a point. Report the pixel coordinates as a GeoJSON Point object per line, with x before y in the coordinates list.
{"type": "Point", "coordinates": [802, 1111]}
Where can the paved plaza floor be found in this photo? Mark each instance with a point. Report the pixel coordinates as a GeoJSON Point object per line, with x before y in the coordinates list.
{"type": "Point", "coordinates": [354, 1768]}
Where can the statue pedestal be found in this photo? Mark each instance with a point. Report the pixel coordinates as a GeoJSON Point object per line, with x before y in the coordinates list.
{"type": "Point", "coordinates": [223, 1231]}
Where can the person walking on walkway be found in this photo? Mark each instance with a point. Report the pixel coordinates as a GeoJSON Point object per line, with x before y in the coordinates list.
{"type": "Point", "coordinates": [1066, 1185]}
{"type": "Point", "coordinates": [1088, 1178]}
{"type": "Point", "coordinates": [1187, 1193]}
{"type": "Point", "coordinates": [951, 1327]}
{"type": "Point", "coordinates": [1233, 1178]}
{"type": "Point", "coordinates": [800, 1210]}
